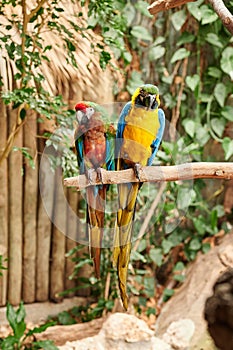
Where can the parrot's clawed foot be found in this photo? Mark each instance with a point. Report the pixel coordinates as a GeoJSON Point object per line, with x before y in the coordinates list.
{"type": "Point", "coordinates": [137, 170]}
{"type": "Point", "coordinates": [90, 176]}
{"type": "Point", "coordinates": [99, 174]}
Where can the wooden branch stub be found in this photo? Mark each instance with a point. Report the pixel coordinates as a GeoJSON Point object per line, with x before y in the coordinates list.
{"type": "Point", "coordinates": [163, 5]}
{"type": "Point", "coordinates": [186, 171]}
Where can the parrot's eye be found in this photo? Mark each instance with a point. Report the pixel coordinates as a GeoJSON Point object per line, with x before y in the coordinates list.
{"type": "Point", "coordinates": [89, 112]}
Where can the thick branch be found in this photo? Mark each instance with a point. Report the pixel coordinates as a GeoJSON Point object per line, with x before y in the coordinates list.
{"type": "Point", "coordinates": [218, 6]}
{"type": "Point", "coordinates": [163, 5]}
{"type": "Point", "coordinates": [187, 171]}
{"type": "Point", "coordinates": [223, 13]}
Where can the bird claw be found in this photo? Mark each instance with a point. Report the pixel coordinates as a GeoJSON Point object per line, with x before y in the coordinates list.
{"type": "Point", "coordinates": [90, 173]}
{"type": "Point", "coordinates": [137, 170]}
{"type": "Point", "coordinates": [99, 175]}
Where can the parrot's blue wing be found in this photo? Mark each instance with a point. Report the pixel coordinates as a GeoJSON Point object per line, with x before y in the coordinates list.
{"type": "Point", "coordinates": [80, 156]}
{"type": "Point", "coordinates": [121, 126]}
{"type": "Point", "coordinates": [110, 153]}
{"type": "Point", "coordinates": [155, 144]}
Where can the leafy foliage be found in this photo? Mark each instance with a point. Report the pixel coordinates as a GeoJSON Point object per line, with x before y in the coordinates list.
{"type": "Point", "coordinates": [16, 319]}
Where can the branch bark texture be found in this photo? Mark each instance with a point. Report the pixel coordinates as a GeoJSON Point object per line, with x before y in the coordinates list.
{"type": "Point", "coordinates": [218, 6]}
{"type": "Point", "coordinates": [186, 171]}
{"type": "Point", "coordinates": [163, 5]}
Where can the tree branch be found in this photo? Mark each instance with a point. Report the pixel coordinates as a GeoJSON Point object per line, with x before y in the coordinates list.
{"type": "Point", "coordinates": [186, 171]}
{"type": "Point", "coordinates": [218, 6]}
{"type": "Point", "coordinates": [223, 13]}
{"type": "Point", "coordinates": [163, 5]}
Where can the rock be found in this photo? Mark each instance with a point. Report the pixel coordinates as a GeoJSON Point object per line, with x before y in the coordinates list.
{"type": "Point", "coordinates": [120, 332]}
{"type": "Point", "coordinates": [189, 299]}
{"type": "Point", "coordinates": [129, 328]}
{"type": "Point", "coordinates": [219, 311]}
{"type": "Point", "coordinates": [179, 334]}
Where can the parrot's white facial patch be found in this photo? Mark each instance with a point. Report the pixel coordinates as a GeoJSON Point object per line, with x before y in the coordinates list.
{"type": "Point", "coordinates": [79, 115]}
{"type": "Point", "coordinates": [89, 112]}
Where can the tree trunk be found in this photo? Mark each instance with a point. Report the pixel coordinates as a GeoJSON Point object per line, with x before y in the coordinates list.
{"type": "Point", "coordinates": [30, 213]}
{"type": "Point", "coordinates": [15, 217]}
{"type": "Point", "coordinates": [3, 204]}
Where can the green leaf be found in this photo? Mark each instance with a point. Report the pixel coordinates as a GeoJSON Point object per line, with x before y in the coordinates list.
{"type": "Point", "coordinates": [141, 6]}
{"type": "Point", "coordinates": [185, 38]}
{"type": "Point", "coordinates": [44, 345]}
{"type": "Point", "coordinates": [213, 39]}
{"type": "Point", "coordinates": [189, 127]}
{"type": "Point", "coordinates": [180, 55]}
{"type": "Point", "coordinates": [156, 256]}
{"type": "Point", "coordinates": [220, 93]}
{"type": "Point", "coordinates": [227, 147]}
{"type": "Point", "coordinates": [178, 19]}
{"type": "Point", "coordinates": [156, 52]}
{"type": "Point", "coordinates": [41, 328]}
{"type": "Point", "coordinates": [194, 9]}
{"type": "Point", "coordinates": [179, 266]}
{"type": "Point", "coordinates": [214, 72]}
{"type": "Point", "coordinates": [129, 13]}
{"type": "Point", "coordinates": [167, 293]}
{"type": "Point", "coordinates": [16, 319]}
{"type": "Point", "coordinates": [226, 61]}
{"type": "Point", "coordinates": [141, 33]}
{"type": "Point", "coordinates": [9, 342]}
{"type": "Point", "coordinates": [195, 244]}
{"type": "Point", "coordinates": [142, 245]}
{"type": "Point", "coordinates": [192, 81]}
{"type": "Point", "coordinates": [220, 210]}
{"type": "Point", "coordinates": [183, 198]}
{"type": "Point", "coordinates": [200, 225]}
{"type": "Point", "coordinates": [227, 112]}
{"type": "Point", "coordinates": [218, 126]}
{"type": "Point", "coordinates": [166, 245]}
{"type": "Point", "coordinates": [205, 248]}
{"type": "Point", "coordinates": [207, 15]}
{"type": "Point", "coordinates": [65, 318]}
{"type": "Point", "coordinates": [137, 256]}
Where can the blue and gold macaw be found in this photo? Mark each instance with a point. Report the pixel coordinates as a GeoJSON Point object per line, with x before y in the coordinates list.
{"type": "Point", "coordinates": [94, 141]}
{"type": "Point", "coordinates": [139, 134]}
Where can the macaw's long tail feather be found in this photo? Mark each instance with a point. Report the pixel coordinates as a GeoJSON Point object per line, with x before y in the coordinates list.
{"type": "Point", "coordinates": [122, 245]}
{"type": "Point", "coordinates": [96, 196]}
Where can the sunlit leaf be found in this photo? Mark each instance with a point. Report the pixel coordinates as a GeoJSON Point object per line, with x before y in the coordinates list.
{"type": "Point", "coordinates": [178, 19]}
{"type": "Point", "coordinates": [156, 52]}
{"type": "Point", "coordinates": [180, 55]}
{"type": "Point", "coordinates": [141, 33]}
{"type": "Point", "coordinates": [213, 39]}
{"type": "Point", "coordinates": [226, 61]}
{"type": "Point", "coordinates": [207, 15]}
{"type": "Point", "coordinates": [189, 126]}
{"type": "Point", "coordinates": [192, 81]}
{"type": "Point", "coordinates": [218, 125]}
{"type": "Point", "coordinates": [227, 112]}
{"type": "Point", "coordinates": [220, 93]}
{"type": "Point", "coordinates": [227, 147]}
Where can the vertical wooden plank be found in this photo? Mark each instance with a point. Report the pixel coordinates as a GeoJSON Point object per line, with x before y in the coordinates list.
{"type": "Point", "coordinates": [3, 204]}
{"type": "Point", "coordinates": [45, 190]}
{"type": "Point", "coordinates": [30, 212]}
{"type": "Point", "coordinates": [57, 267]}
{"type": "Point", "coordinates": [71, 227]}
{"type": "Point", "coordinates": [15, 217]}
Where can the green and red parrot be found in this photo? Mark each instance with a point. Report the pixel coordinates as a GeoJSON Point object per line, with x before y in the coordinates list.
{"type": "Point", "coordinates": [94, 141]}
{"type": "Point", "coordinates": [139, 134]}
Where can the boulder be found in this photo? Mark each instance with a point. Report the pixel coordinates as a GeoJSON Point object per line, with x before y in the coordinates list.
{"type": "Point", "coordinates": [189, 300]}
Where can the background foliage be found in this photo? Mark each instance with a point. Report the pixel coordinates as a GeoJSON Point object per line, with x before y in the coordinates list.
{"type": "Point", "coordinates": [189, 54]}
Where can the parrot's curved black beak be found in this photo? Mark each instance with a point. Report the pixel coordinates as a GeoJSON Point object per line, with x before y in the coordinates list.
{"type": "Point", "coordinates": [150, 101]}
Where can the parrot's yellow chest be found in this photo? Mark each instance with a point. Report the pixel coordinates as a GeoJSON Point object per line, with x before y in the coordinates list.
{"type": "Point", "coordinates": [141, 129]}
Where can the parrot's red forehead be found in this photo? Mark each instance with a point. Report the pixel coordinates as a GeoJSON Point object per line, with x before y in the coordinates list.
{"type": "Point", "coordinates": [80, 106]}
